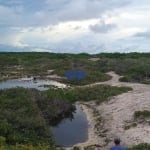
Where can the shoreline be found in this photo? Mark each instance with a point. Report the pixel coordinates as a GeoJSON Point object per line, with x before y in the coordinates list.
{"type": "Point", "coordinates": [108, 120]}
{"type": "Point", "coordinates": [93, 139]}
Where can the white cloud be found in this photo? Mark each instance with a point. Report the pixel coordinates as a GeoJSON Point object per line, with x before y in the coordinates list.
{"type": "Point", "coordinates": [40, 50]}
{"type": "Point", "coordinates": [53, 34]}
{"type": "Point", "coordinates": [72, 25]}
{"type": "Point", "coordinates": [71, 10]}
{"type": "Point", "coordinates": [143, 35]}
{"type": "Point", "coordinates": [11, 36]}
{"type": "Point", "coordinates": [102, 27]}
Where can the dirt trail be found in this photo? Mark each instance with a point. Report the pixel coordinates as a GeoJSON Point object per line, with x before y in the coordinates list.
{"type": "Point", "coordinates": [120, 110]}
{"type": "Point", "coordinates": [116, 114]}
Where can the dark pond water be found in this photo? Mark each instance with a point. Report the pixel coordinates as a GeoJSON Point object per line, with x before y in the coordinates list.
{"type": "Point", "coordinates": [27, 83]}
{"type": "Point", "coordinates": [71, 131]}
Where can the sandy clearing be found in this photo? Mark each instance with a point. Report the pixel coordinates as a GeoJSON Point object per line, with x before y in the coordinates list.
{"type": "Point", "coordinates": [116, 113]}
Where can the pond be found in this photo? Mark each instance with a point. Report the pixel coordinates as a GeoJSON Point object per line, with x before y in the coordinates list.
{"type": "Point", "coordinates": [29, 83]}
{"type": "Point", "coordinates": [71, 131]}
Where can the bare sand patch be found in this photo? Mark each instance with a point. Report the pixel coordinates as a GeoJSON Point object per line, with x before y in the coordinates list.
{"type": "Point", "coordinates": [116, 113]}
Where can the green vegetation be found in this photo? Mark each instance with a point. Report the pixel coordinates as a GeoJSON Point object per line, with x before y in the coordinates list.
{"type": "Point", "coordinates": [128, 126]}
{"type": "Point", "coordinates": [25, 116]}
{"type": "Point", "coordinates": [26, 147]}
{"type": "Point", "coordinates": [139, 117]}
{"type": "Point", "coordinates": [55, 105]}
{"type": "Point", "coordinates": [135, 67]}
{"type": "Point", "coordinates": [38, 64]}
{"type": "Point", "coordinates": [91, 76]}
{"type": "Point", "coordinates": [144, 146]}
{"type": "Point", "coordinates": [142, 114]}
{"type": "Point", "coordinates": [99, 93]}
{"type": "Point", "coordinates": [20, 118]}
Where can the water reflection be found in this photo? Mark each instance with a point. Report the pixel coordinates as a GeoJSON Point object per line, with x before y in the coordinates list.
{"type": "Point", "coordinates": [66, 132]}
{"type": "Point", "coordinates": [71, 130]}
{"type": "Point", "coordinates": [27, 83]}
{"type": "Point", "coordinates": [55, 122]}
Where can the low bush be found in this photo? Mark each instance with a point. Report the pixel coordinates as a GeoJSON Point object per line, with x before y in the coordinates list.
{"type": "Point", "coordinates": [143, 146]}
{"type": "Point", "coordinates": [142, 114]}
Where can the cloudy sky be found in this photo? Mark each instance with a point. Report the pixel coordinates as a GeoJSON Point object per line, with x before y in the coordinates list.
{"type": "Point", "coordinates": [75, 26]}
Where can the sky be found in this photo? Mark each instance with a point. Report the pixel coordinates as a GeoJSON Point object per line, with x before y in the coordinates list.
{"type": "Point", "coordinates": [75, 26]}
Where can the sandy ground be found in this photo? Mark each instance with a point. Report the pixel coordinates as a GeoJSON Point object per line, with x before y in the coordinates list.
{"type": "Point", "coordinates": [116, 114]}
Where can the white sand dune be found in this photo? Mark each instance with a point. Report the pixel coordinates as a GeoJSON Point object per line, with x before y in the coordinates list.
{"type": "Point", "coordinates": [116, 114]}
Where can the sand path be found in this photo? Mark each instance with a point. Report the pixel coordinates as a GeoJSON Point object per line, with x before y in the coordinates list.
{"type": "Point", "coordinates": [116, 114]}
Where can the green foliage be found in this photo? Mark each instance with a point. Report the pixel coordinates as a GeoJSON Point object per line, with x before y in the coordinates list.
{"type": "Point", "coordinates": [27, 147]}
{"type": "Point", "coordinates": [20, 118]}
{"type": "Point", "coordinates": [143, 146]}
{"type": "Point", "coordinates": [7, 60]}
{"type": "Point", "coordinates": [135, 67]}
{"type": "Point", "coordinates": [67, 95]}
{"type": "Point", "coordinates": [56, 105]}
{"type": "Point", "coordinates": [25, 115]}
{"type": "Point", "coordinates": [2, 140]}
{"type": "Point", "coordinates": [91, 76]}
{"type": "Point", "coordinates": [142, 114]}
{"type": "Point", "coordinates": [128, 126]}
{"type": "Point", "coordinates": [99, 93]}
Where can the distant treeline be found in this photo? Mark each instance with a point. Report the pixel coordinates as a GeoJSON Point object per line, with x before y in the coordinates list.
{"type": "Point", "coordinates": [135, 67]}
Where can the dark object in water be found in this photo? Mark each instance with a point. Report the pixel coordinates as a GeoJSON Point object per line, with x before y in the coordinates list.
{"type": "Point", "coordinates": [34, 78]}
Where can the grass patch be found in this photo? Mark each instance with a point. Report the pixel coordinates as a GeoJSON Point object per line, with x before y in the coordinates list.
{"type": "Point", "coordinates": [99, 93]}
{"type": "Point", "coordinates": [143, 146]}
{"type": "Point", "coordinates": [128, 126]}
{"type": "Point", "coordinates": [142, 114]}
